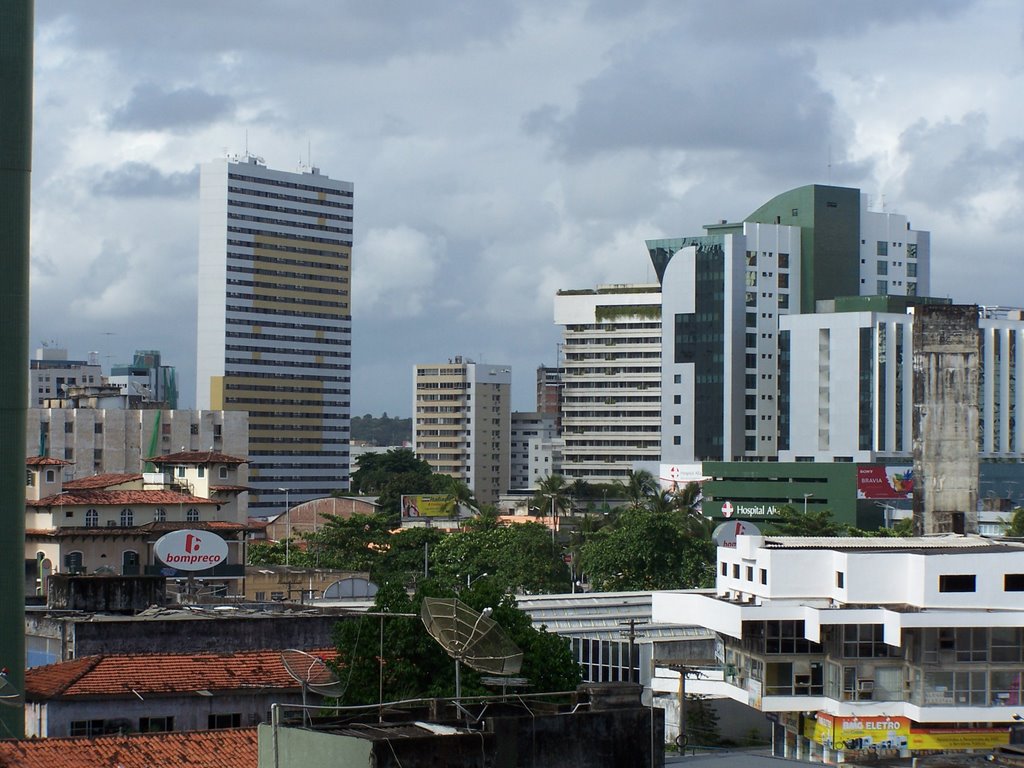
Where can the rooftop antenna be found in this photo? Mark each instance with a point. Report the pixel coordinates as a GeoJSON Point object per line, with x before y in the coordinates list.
{"type": "Point", "coordinates": [470, 637]}
{"type": "Point", "coordinates": [312, 674]}
{"type": "Point", "coordinates": [246, 142]}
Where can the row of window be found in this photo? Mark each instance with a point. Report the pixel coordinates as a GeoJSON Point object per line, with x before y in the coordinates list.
{"type": "Point", "coordinates": [160, 724]}
{"type": "Point", "coordinates": [127, 517]}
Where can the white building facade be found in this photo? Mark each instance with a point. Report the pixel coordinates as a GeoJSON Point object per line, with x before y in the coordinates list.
{"type": "Point", "coordinates": [530, 431]}
{"type": "Point", "coordinates": [923, 635]}
{"type": "Point", "coordinates": [611, 379]}
{"type": "Point", "coordinates": [274, 325]}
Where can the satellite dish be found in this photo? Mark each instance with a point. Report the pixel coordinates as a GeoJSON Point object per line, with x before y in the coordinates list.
{"type": "Point", "coordinates": [470, 637]}
{"type": "Point", "coordinates": [312, 674]}
{"type": "Point", "coordinates": [9, 695]}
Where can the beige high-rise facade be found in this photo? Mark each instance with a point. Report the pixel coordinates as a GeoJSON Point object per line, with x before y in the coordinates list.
{"type": "Point", "coordinates": [275, 326]}
{"type": "Point", "coordinates": [462, 423]}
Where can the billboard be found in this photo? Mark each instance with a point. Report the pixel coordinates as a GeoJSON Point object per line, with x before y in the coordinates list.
{"type": "Point", "coordinates": [880, 481]}
{"type": "Point", "coordinates": [871, 732]}
{"type": "Point", "coordinates": [429, 505]}
{"type": "Point", "coordinates": [191, 550]}
{"type": "Point", "coordinates": [675, 477]}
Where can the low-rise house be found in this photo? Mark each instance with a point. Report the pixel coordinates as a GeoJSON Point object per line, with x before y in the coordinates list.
{"type": "Point", "coordinates": [97, 695]}
{"type": "Point", "coordinates": [868, 647]}
{"type": "Point", "coordinates": [109, 523]}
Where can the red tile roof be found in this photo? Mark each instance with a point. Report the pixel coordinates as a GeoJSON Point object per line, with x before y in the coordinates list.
{"type": "Point", "coordinates": [45, 461]}
{"type": "Point", "coordinates": [160, 674]}
{"type": "Point", "coordinates": [196, 457]}
{"type": "Point", "coordinates": [236, 747]}
{"type": "Point", "coordinates": [85, 498]}
{"type": "Point", "coordinates": [146, 529]}
{"type": "Point", "coordinates": [228, 488]}
{"type": "Point", "coordinates": [98, 481]}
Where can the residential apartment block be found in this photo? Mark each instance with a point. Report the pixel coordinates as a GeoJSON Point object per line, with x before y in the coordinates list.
{"type": "Point", "coordinates": [462, 423]}
{"type": "Point", "coordinates": [531, 442]}
{"type": "Point", "coordinates": [274, 326]}
{"type": "Point", "coordinates": [611, 379]}
{"type": "Point", "coordinates": [50, 373]}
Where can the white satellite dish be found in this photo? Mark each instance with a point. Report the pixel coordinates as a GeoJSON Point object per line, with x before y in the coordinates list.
{"type": "Point", "coordinates": [312, 674]}
{"type": "Point", "coordinates": [471, 637]}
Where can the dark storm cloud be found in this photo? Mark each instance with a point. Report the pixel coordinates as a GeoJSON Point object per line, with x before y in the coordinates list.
{"type": "Point", "coordinates": [952, 162]}
{"type": "Point", "coordinates": [152, 107]}
{"type": "Point", "coordinates": [145, 180]}
{"type": "Point", "coordinates": [672, 97]}
{"type": "Point", "coordinates": [365, 32]}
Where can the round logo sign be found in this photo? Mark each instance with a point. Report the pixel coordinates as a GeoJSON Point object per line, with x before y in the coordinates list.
{"type": "Point", "coordinates": [725, 534]}
{"type": "Point", "coordinates": [191, 550]}
{"type": "Point", "coordinates": [727, 508]}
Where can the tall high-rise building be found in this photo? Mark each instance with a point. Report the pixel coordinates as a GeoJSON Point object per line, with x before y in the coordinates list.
{"type": "Point", "coordinates": [462, 423]}
{"type": "Point", "coordinates": [724, 375]}
{"type": "Point", "coordinates": [611, 379]}
{"type": "Point", "coordinates": [274, 330]}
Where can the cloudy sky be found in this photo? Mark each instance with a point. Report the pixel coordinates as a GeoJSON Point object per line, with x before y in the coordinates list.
{"type": "Point", "coordinates": [502, 150]}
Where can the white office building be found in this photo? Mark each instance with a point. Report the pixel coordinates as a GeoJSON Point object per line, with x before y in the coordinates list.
{"type": "Point", "coordinates": [914, 637]}
{"type": "Point", "coordinates": [274, 326]}
{"type": "Point", "coordinates": [531, 430]}
{"type": "Point", "coordinates": [611, 379]}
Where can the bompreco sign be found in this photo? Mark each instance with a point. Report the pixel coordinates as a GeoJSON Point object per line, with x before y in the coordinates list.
{"type": "Point", "coordinates": [191, 550]}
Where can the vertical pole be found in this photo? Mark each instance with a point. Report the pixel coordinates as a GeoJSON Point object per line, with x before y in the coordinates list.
{"type": "Point", "coordinates": [16, 25]}
{"type": "Point", "coordinates": [380, 681]}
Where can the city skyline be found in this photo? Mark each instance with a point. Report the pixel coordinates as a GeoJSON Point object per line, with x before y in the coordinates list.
{"type": "Point", "coordinates": [501, 153]}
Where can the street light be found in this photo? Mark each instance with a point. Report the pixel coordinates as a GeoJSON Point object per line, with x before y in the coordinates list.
{"type": "Point", "coordinates": [806, 496]}
{"type": "Point", "coordinates": [471, 581]}
{"type": "Point", "coordinates": [288, 525]}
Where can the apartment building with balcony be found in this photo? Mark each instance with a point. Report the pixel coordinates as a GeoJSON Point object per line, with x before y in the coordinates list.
{"type": "Point", "coordinates": [462, 423]}
{"type": "Point", "coordinates": [611, 379]}
{"type": "Point", "coordinates": [918, 636]}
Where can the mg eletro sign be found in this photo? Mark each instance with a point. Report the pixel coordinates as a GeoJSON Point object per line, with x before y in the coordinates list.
{"type": "Point", "coordinates": [191, 550]}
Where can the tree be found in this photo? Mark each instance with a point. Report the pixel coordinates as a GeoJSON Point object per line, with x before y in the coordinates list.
{"type": "Point", "coordinates": [400, 560]}
{"type": "Point", "coordinates": [416, 666]}
{"type": "Point", "coordinates": [647, 549]}
{"type": "Point", "coordinates": [376, 470]}
{"type": "Point", "coordinates": [520, 558]}
{"type": "Point", "coordinates": [552, 494]}
{"type": "Point", "coordinates": [1014, 527]}
{"type": "Point", "coordinates": [638, 488]}
{"type": "Point", "coordinates": [352, 544]}
{"type": "Point", "coordinates": [701, 722]}
{"type": "Point", "coordinates": [816, 522]}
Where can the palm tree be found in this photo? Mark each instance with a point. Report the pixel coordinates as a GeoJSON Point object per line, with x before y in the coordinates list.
{"type": "Point", "coordinates": [638, 488]}
{"type": "Point", "coordinates": [552, 493]}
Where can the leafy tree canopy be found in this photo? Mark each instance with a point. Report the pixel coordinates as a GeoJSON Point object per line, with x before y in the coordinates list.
{"type": "Point", "coordinates": [416, 666]}
{"type": "Point", "coordinates": [384, 430]}
{"type": "Point", "coordinates": [647, 549]}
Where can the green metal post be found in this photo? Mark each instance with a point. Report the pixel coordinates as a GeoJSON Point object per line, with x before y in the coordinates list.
{"type": "Point", "coordinates": [15, 168]}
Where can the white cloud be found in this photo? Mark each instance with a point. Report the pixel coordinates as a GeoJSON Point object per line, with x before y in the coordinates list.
{"type": "Point", "coordinates": [395, 272]}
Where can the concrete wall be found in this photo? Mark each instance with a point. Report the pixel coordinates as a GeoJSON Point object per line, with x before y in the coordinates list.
{"type": "Point", "coordinates": [946, 444]}
{"type": "Point", "coordinates": [210, 634]}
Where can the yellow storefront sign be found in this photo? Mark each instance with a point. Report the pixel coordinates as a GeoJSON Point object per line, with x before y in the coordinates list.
{"type": "Point", "coordinates": [859, 733]}
{"type": "Point", "coordinates": [959, 738]}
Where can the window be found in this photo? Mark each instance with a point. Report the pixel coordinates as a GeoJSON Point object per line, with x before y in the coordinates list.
{"type": "Point", "coordinates": [787, 637]}
{"type": "Point", "coordinates": [92, 518]}
{"type": "Point", "coordinates": [261, 597]}
{"type": "Point", "coordinates": [677, 419]}
{"type": "Point", "coordinates": [193, 429]}
{"type": "Point", "coordinates": [232, 720]}
{"type": "Point", "coordinates": [159, 515]}
{"type": "Point", "coordinates": [882, 287]}
{"type": "Point", "coordinates": [883, 267]}
{"type": "Point", "coordinates": [181, 471]}
{"type": "Point", "coordinates": [202, 471]}
{"type": "Point", "coordinates": [97, 428]}
{"type": "Point", "coordinates": [156, 724]}
{"type": "Point", "coordinates": [882, 248]}
{"type": "Point", "coordinates": [764, 575]}
{"type": "Point", "coordinates": [957, 582]}
{"type": "Point", "coordinates": [736, 570]}
{"type": "Point", "coordinates": [677, 440]}
{"type": "Point", "coordinates": [750, 573]}
{"type": "Point", "coordinates": [725, 569]}
{"type": "Point", "coordinates": [1013, 582]}
{"type": "Point", "coordinates": [87, 727]}
{"type": "Point", "coordinates": [192, 516]}
{"type": "Point", "coordinates": [840, 579]}
{"type": "Point", "coordinates": [222, 473]}
{"type": "Point", "coordinates": [127, 518]}
{"type": "Point", "coordinates": [864, 641]}
{"type": "Point", "coordinates": [783, 261]}
{"type": "Point", "coordinates": [73, 562]}
{"type": "Point", "coordinates": [51, 476]}
{"type": "Point", "coordinates": [971, 644]}
{"type": "Point", "coordinates": [28, 477]}
{"type": "Point", "coordinates": [677, 399]}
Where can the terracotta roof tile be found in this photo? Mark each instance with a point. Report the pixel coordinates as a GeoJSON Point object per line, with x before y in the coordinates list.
{"type": "Point", "coordinates": [160, 674]}
{"type": "Point", "coordinates": [99, 481]}
{"type": "Point", "coordinates": [197, 457]}
{"type": "Point", "coordinates": [84, 497]}
{"type": "Point", "coordinates": [45, 461]}
{"type": "Point", "coordinates": [228, 488]}
{"type": "Point", "coordinates": [236, 747]}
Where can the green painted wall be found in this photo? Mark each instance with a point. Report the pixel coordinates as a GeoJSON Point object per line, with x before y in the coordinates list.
{"type": "Point", "coordinates": [829, 242]}
{"type": "Point", "coordinates": [302, 748]}
{"type": "Point", "coordinates": [761, 486]}
{"type": "Point", "coordinates": [15, 167]}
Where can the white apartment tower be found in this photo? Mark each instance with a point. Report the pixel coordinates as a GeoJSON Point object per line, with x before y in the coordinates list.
{"type": "Point", "coordinates": [611, 380]}
{"type": "Point", "coordinates": [462, 423]}
{"type": "Point", "coordinates": [274, 326]}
